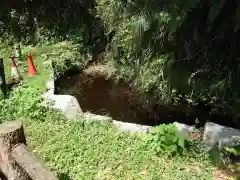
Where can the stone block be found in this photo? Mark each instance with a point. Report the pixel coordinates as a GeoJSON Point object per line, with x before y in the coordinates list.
{"type": "Point", "coordinates": [93, 117]}
{"type": "Point", "coordinates": [130, 127]}
{"type": "Point", "coordinates": [229, 142]}
{"type": "Point", "coordinates": [215, 134]}
{"type": "Point", "coordinates": [67, 104]}
{"type": "Point", "coordinates": [183, 128]}
{"type": "Point", "coordinates": [50, 85]}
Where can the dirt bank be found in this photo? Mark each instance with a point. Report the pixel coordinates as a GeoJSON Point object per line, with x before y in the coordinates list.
{"type": "Point", "coordinates": [101, 95]}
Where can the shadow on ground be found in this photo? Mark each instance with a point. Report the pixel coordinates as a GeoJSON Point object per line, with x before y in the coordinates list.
{"type": "Point", "coordinates": [63, 176]}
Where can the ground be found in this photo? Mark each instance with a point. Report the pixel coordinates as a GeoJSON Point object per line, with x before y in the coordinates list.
{"type": "Point", "coordinates": [97, 151]}
{"type": "Point", "coordinates": [76, 150]}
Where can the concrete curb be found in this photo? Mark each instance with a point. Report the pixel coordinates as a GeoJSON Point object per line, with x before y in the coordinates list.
{"type": "Point", "coordinates": [221, 136]}
{"type": "Point", "coordinates": [66, 104]}
{"type": "Point", "coordinates": [131, 127]}
{"type": "Point", "coordinates": [214, 134]}
{"type": "Point", "coordinates": [89, 117]}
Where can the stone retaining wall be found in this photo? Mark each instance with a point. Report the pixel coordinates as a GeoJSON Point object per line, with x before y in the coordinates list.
{"type": "Point", "coordinates": [213, 135]}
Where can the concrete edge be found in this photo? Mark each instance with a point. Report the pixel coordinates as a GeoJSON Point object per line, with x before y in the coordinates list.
{"type": "Point", "coordinates": [123, 126]}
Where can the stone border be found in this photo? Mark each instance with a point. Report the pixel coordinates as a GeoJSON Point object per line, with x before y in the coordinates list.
{"type": "Point", "coordinates": [214, 134]}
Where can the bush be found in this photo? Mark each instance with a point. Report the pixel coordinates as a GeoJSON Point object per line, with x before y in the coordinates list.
{"type": "Point", "coordinates": [64, 55]}
{"type": "Point", "coordinates": [149, 32]}
{"type": "Point", "coordinates": [166, 139]}
{"type": "Point", "coordinates": [24, 102]}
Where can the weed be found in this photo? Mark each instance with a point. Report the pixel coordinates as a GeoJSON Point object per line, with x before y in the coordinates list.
{"type": "Point", "coordinates": [166, 139]}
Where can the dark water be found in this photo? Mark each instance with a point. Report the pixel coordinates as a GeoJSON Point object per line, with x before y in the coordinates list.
{"type": "Point", "coordinates": [103, 96]}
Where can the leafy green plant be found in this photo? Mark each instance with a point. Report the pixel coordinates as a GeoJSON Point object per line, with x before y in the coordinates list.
{"type": "Point", "coordinates": [232, 150]}
{"type": "Point", "coordinates": [165, 139]}
{"type": "Point", "coordinates": [65, 56]}
{"type": "Point", "coordinates": [102, 152]}
{"type": "Point", "coordinates": [24, 102]}
{"type": "Point", "coordinates": [26, 49]}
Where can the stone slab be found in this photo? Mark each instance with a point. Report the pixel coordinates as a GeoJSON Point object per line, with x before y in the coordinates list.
{"type": "Point", "coordinates": [183, 128]}
{"type": "Point", "coordinates": [229, 142]}
{"type": "Point", "coordinates": [130, 127]}
{"type": "Point", "coordinates": [67, 104]}
{"type": "Point", "coordinates": [94, 117]}
{"type": "Point", "coordinates": [215, 134]}
{"type": "Point", "coordinates": [50, 85]}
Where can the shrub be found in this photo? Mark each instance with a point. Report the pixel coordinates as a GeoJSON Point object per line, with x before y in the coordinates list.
{"type": "Point", "coordinates": [64, 55]}
{"type": "Point", "coordinates": [166, 139]}
{"type": "Point", "coordinates": [24, 102]}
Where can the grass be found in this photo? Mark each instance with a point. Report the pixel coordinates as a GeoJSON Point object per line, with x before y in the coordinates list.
{"type": "Point", "coordinates": [42, 72]}
{"type": "Point", "coordinates": [98, 151]}
{"type": "Point", "coordinates": [62, 51]}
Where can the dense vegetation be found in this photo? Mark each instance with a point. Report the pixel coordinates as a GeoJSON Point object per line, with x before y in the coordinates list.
{"type": "Point", "coordinates": [77, 150]}
{"type": "Point", "coordinates": [178, 51]}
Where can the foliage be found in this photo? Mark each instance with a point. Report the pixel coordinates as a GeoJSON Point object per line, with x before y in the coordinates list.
{"type": "Point", "coordinates": [63, 56]}
{"type": "Point", "coordinates": [26, 49]}
{"type": "Point", "coordinates": [155, 41]}
{"type": "Point", "coordinates": [186, 36]}
{"type": "Point", "coordinates": [98, 151]}
{"type": "Point", "coordinates": [230, 158]}
{"type": "Point", "coordinates": [139, 45]}
{"type": "Point", "coordinates": [166, 139]}
{"type": "Point", "coordinates": [24, 101]}
{"type": "Point", "coordinates": [233, 150]}
{"type": "Point", "coordinates": [34, 22]}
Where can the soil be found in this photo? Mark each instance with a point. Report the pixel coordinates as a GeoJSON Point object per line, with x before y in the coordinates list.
{"type": "Point", "coordinates": [99, 94]}
{"type": "Point", "coordinates": [103, 96]}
